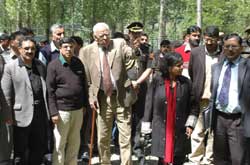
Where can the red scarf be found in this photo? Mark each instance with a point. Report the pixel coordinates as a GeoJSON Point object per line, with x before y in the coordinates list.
{"type": "Point", "coordinates": [170, 124]}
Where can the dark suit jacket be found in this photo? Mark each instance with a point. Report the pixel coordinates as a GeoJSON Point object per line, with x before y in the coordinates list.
{"type": "Point", "coordinates": [18, 91]}
{"type": "Point", "coordinates": [155, 112]}
{"type": "Point", "coordinates": [3, 113]}
{"type": "Point", "coordinates": [197, 73]}
{"type": "Point", "coordinates": [2, 63]}
{"type": "Point", "coordinates": [243, 89]}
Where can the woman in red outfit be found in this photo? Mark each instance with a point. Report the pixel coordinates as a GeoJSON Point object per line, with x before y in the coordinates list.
{"type": "Point", "coordinates": [168, 110]}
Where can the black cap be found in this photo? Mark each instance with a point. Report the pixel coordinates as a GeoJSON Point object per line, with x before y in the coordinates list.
{"type": "Point", "coordinates": [135, 27]}
{"type": "Point", "coordinates": [4, 36]}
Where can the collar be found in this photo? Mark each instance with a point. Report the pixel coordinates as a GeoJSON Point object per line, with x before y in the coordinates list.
{"type": "Point", "coordinates": [21, 63]}
{"type": "Point", "coordinates": [53, 46]}
{"type": "Point", "coordinates": [13, 55]}
{"type": "Point", "coordinates": [214, 53]}
{"type": "Point", "coordinates": [62, 60]}
{"type": "Point", "coordinates": [185, 43]}
{"type": "Point", "coordinates": [235, 62]}
{"type": "Point", "coordinates": [1, 48]}
{"type": "Point", "coordinates": [187, 47]}
{"type": "Point", "coordinates": [108, 48]}
{"type": "Point", "coordinates": [100, 48]}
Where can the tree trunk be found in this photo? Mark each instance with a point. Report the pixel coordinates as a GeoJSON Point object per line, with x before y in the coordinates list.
{"type": "Point", "coordinates": [94, 7]}
{"type": "Point", "coordinates": [144, 13]}
{"type": "Point", "coordinates": [48, 19]}
{"type": "Point", "coordinates": [83, 11]}
{"type": "Point", "coordinates": [199, 12]}
{"type": "Point", "coordinates": [19, 20]}
{"type": "Point", "coordinates": [28, 13]}
{"type": "Point", "coordinates": [62, 10]}
{"type": "Point", "coordinates": [162, 23]}
{"type": "Point", "coordinates": [72, 17]}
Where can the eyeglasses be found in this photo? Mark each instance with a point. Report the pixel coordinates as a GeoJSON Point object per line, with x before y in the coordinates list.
{"type": "Point", "coordinates": [104, 34]}
{"type": "Point", "coordinates": [233, 47]}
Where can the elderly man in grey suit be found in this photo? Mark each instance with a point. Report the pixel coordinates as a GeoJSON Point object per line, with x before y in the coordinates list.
{"type": "Point", "coordinates": [110, 91]}
{"type": "Point", "coordinates": [230, 104]}
{"type": "Point", "coordinates": [24, 88]}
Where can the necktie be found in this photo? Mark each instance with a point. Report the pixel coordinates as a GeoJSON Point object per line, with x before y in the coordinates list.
{"type": "Point", "coordinates": [107, 83]}
{"type": "Point", "coordinates": [223, 96]}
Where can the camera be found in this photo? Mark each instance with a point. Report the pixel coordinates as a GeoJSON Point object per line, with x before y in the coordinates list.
{"type": "Point", "coordinates": [145, 48]}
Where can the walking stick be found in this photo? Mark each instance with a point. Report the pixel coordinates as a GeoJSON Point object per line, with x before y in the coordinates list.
{"type": "Point", "coordinates": [92, 135]}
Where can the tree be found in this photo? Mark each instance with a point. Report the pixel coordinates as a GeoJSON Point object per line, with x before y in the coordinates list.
{"type": "Point", "coordinates": [162, 27]}
{"type": "Point", "coordinates": [199, 13]}
{"type": "Point", "coordinates": [79, 16]}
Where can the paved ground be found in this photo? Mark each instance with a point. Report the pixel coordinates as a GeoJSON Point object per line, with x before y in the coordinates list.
{"type": "Point", "coordinates": [115, 159]}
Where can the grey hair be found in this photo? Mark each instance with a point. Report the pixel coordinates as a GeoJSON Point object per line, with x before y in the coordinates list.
{"type": "Point", "coordinates": [100, 25]}
{"type": "Point", "coordinates": [56, 26]}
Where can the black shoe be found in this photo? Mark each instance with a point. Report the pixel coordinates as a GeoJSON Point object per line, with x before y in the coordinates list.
{"type": "Point", "coordinates": [85, 157]}
{"type": "Point", "coordinates": [48, 159]}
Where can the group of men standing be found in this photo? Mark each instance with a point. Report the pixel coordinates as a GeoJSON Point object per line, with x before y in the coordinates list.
{"type": "Point", "coordinates": [105, 78]}
{"type": "Point", "coordinates": [30, 98]}
{"type": "Point", "coordinates": [59, 87]}
{"type": "Point", "coordinates": [219, 75]}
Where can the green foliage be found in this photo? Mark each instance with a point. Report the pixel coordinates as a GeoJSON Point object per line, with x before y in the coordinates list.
{"type": "Point", "coordinates": [80, 15]}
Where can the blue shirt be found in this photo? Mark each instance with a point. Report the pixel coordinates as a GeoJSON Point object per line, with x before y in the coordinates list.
{"type": "Point", "coordinates": [233, 98]}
